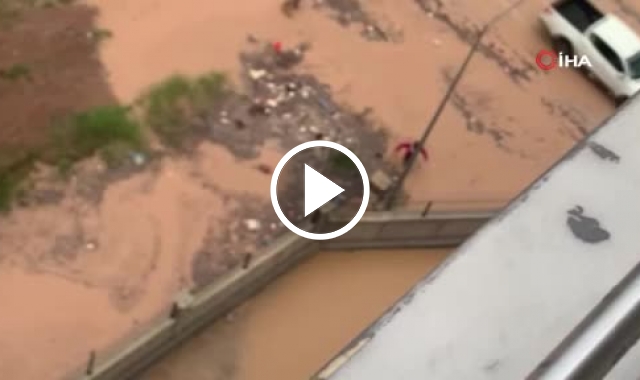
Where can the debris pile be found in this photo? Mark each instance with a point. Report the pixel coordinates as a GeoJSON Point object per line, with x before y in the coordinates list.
{"type": "Point", "coordinates": [351, 13]}
{"type": "Point", "coordinates": [280, 104]}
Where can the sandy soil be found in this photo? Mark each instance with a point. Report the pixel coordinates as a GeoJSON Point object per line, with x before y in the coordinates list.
{"type": "Point", "coordinates": [124, 254]}
{"type": "Point", "coordinates": [305, 315]}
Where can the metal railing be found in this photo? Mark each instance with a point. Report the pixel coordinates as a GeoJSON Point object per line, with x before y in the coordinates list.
{"type": "Point", "coordinates": [603, 337]}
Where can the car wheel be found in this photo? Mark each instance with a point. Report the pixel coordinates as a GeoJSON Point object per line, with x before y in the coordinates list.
{"type": "Point", "coordinates": [562, 45]}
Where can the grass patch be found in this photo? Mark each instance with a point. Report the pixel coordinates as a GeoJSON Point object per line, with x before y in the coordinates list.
{"type": "Point", "coordinates": [10, 182]}
{"type": "Point", "coordinates": [169, 105]}
{"type": "Point", "coordinates": [14, 168]}
{"type": "Point", "coordinates": [341, 162]}
{"type": "Point", "coordinates": [16, 72]}
{"type": "Point", "coordinates": [112, 132]}
{"type": "Point", "coordinates": [12, 10]}
{"type": "Point", "coordinates": [7, 188]}
{"type": "Point", "coordinates": [96, 131]}
{"type": "Point", "coordinates": [98, 35]}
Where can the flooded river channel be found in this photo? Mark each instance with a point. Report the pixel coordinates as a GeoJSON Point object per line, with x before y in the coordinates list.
{"type": "Point", "coordinates": [295, 325]}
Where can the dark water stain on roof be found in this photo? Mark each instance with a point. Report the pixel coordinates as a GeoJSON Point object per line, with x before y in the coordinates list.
{"type": "Point", "coordinates": [586, 228]}
{"type": "Point", "coordinates": [603, 152]}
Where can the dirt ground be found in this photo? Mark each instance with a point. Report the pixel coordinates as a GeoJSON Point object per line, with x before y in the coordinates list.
{"type": "Point", "coordinates": [61, 72]}
{"type": "Point", "coordinates": [382, 64]}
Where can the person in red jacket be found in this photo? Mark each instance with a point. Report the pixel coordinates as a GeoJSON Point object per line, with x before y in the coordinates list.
{"type": "Point", "coordinates": [408, 149]}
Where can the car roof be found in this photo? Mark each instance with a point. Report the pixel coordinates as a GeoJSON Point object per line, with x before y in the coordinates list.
{"type": "Point", "coordinates": [618, 35]}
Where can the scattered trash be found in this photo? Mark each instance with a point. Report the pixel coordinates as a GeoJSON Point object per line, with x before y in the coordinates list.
{"type": "Point", "coordinates": [138, 158]}
{"type": "Point", "coordinates": [288, 7]}
{"type": "Point", "coordinates": [273, 103]}
{"type": "Point", "coordinates": [257, 74]}
{"type": "Point", "coordinates": [326, 105]}
{"type": "Point", "coordinates": [239, 124]}
{"type": "Point", "coordinates": [286, 59]}
{"type": "Point", "coordinates": [252, 224]}
{"type": "Point", "coordinates": [437, 42]}
{"type": "Point", "coordinates": [90, 246]}
{"type": "Point", "coordinates": [252, 39]}
{"type": "Point", "coordinates": [257, 108]}
{"type": "Point", "coordinates": [305, 92]}
{"type": "Point", "coordinates": [224, 120]}
{"type": "Point", "coordinates": [291, 87]}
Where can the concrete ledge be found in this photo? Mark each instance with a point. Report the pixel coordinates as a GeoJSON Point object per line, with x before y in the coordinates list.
{"type": "Point", "coordinates": [198, 309]}
{"type": "Point", "coordinates": [408, 230]}
{"type": "Point", "coordinates": [206, 305]}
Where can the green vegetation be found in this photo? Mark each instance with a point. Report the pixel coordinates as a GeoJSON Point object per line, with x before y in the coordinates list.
{"type": "Point", "coordinates": [16, 72]}
{"type": "Point", "coordinates": [341, 162]}
{"type": "Point", "coordinates": [113, 132]}
{"type": "Point", "coordinates": [10, 9]}
{"type": "Point", "coordinates": [108, 130]}
{"type": "Point", "coordinates": [15, 165]}
{"type": "Point", "coordinates": [7, 188]}
{"type": "Point", "coordinates": [99, 35]}
{"type": "Point", "coordinates": [169, 105]}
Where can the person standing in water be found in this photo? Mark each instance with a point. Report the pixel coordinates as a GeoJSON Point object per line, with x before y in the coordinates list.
{"type": "Point", "coordinates": [409, 149]}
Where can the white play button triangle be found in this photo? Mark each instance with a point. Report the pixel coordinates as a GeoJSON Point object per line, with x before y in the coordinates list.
{"type": "Point", "coordinates": [318, 190]}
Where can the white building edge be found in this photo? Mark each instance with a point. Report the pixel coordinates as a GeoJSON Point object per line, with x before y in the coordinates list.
{"type": "Point", "coordinates": [520, 285]}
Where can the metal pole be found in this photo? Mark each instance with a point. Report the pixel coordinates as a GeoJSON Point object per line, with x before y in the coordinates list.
{"type": "Point", "coordinates": [427, 208]}
{"type": "Point", "coordinates": [593, 348]}
{"type": "Point", "coordinates": [391, 196]}
{"type": "Point", "coordinates": [91, 363]}
{"type": "Point", "coordinates": [434, 119]}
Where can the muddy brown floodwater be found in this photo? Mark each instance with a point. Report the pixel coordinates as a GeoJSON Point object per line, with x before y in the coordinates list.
{"type": "Point", "coordinates": [123, 257]}
{"type": "Point", "coordinates": [295, 325]}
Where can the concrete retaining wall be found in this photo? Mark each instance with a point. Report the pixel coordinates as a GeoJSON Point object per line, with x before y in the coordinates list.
{"type": "Point", "coordinates": [375, 230]}
{"type": "Point", "coordinates": [408, 230]}
{"type": "Point", "coordinates": [202, 308]}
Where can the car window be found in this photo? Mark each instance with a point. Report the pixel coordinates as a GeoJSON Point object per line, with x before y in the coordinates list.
{"type": "Point", "coordinates": [607, 52]}
{"type": "Point", "coordinates": [634, 66]}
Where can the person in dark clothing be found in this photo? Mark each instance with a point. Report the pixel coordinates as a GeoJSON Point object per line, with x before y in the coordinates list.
{"type": "Point", "coordinates": [290, 6]}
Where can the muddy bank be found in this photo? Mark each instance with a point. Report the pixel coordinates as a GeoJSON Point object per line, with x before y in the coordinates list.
{"type": "Point", "coordinates": [310, 315]}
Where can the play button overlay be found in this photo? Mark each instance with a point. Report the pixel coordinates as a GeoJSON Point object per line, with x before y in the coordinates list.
{"type": "Point", "coordinates": [318, 190]}
{"type": "Point", "coordinates": [305, 179]}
